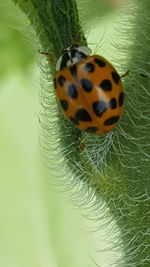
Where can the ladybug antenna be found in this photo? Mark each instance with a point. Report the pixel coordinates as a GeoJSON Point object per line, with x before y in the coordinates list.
{"type": "Point", "coordinates": [47, 54]}
{"type": "Point", "coordinates": [125, 74]}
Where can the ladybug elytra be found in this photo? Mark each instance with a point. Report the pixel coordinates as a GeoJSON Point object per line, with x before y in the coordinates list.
{"type": "Point", "coordinates": [89, 90]}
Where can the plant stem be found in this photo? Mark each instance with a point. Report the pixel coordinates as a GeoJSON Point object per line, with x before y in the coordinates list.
{"type": "Point", "coordinates": [117, 165]}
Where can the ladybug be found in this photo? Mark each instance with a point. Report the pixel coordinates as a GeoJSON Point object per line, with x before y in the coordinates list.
{"type": "Point", "coordinates": [89, 90]}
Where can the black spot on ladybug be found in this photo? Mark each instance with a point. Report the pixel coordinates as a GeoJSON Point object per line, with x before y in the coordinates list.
{"type": "Point", "coordinates": [83, 115]}
{"type": "Point", "coordinates": [116, 77]}
{"type": "Point", "coordinates": [89, 67]}
{"type": "Point", "coordinates": [100, 62]}
{"type": "Point", "coordinates": [111, 120]}
{"type": "Point", "coordinates": [106, 85]}
{"type": "Point", "coordinates": [55, 83]}
{"type": "Point", "coordinates": [61, 80]}
{"type": "Point", "coordinates": [99, 107]}
{"type": "Point", "coordinates": [91, 129]}
{"type": "Point", "coordinates": [121, 99]}
{"type": "Point", "coordinates": [64, 104]}
{"type": "Point", "coordinates": [113, 103]}
{"type": "Point", "coordinates": [74, 120]}
{"type": "Point", "coordinates": [87, 85]}
{"type": "Point", "coordinates": [72, 91]}
{"type": "Point", "coordinates": [73, 70]}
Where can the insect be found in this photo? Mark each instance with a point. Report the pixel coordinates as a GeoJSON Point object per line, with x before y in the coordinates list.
{"type": "Point", "coordinates": [89, 90]}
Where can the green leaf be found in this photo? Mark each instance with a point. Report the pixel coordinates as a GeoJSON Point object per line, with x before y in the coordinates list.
{"type": "Point", "coordinates": [115, 166]}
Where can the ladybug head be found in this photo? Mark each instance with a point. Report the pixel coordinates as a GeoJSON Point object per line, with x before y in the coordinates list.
{"type": "Point", "coordinates": [71, 55]}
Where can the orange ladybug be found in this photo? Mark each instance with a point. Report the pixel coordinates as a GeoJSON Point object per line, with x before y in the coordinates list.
{"type": "Point", "coordinates": [89, 90]}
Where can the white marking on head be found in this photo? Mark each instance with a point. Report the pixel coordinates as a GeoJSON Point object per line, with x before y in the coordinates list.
{"type": "Point", "coordinates": [81, 49]}
{"type": "Point", "coordinates": [85, 50]}
{"type": "Point", "coordinates": [58, 63]}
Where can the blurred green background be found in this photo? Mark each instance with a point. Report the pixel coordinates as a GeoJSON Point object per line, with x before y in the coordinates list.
{"type": "Point", "coordinates": [39, 226]}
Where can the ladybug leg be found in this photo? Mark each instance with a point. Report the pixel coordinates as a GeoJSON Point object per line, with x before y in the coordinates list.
{"type": "Point", "coordinates": [82, 146]}
{"type": "Point", "coordinates": [47, 54]}
{"type": "Point", "coordinates": [125, 74]}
